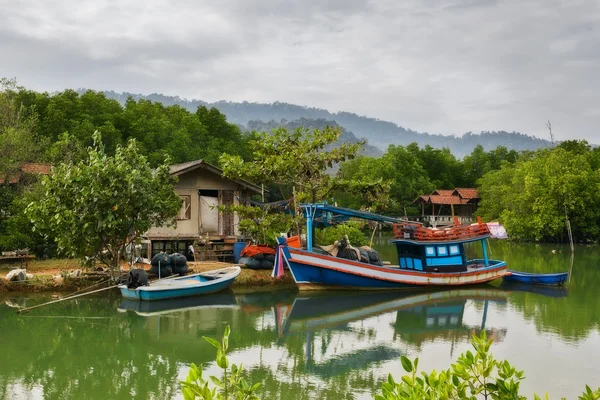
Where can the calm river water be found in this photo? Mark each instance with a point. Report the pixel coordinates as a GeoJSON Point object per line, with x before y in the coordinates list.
{"type": "Point", "coordinates": [308, 346]}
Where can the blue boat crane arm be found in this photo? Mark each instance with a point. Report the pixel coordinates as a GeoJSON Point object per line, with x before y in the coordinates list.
{"type": "Point", "coordinates": [311, 209]}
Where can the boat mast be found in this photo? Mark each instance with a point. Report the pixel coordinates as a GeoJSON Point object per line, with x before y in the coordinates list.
{"type": "Point", "coordinates": [309, 213]}
{"type": "Point", "coordinates": [486, 262]}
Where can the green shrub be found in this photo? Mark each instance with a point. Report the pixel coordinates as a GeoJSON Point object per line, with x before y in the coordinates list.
{"type": "Point", "coordinates": [232, 386]}
{"type": "Point", "coordinates": [329, 235]}
{"type": "Point", "coordinates": [475, 375]}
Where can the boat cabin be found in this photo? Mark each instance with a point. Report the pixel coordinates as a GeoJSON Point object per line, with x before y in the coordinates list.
{"type": "Point", "coordinates": [437, 250]}
{"type": "Point", "coordinates": [431, 257]}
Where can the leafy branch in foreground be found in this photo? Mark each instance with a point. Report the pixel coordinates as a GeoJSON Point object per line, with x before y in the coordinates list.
{"type": "Point", "coordinates": [91, 207]}
{"type": "Point", "coordinates": [474, 375]}
{"type": "Point", "coordinates": [232, 386]}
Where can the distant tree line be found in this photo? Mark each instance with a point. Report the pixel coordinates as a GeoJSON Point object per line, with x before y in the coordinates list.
{"type": "Point", "coordinates": [58, 129]}
{"type": "Point", "coordinates": [532, 192]}
{"type": "Point", "coordinates": [377, 132]}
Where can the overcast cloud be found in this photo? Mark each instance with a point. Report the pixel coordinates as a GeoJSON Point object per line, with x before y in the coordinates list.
{"type": "Point", "coordinates": [441, 66]}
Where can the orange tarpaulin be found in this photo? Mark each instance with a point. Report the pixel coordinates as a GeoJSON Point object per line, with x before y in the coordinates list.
{"type": "Point", "coordinates": [254, 249]}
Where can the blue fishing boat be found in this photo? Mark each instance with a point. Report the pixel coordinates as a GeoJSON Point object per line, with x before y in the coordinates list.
{"type": "Point", "coordinates": [537, 279]}
{"type": "Point", "coordinates": [426, 257]}
{"type": "Point", "coordinates": [183, 286]}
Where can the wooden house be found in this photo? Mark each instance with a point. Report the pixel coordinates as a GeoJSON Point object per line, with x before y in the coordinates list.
{"type": "Point", "coordinates": [202, 188]}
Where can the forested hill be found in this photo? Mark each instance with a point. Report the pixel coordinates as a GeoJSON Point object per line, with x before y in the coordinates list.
{"type": "Point", "coordinates": [345, 137]}
{"type": "Point", "coordinates": [377, 132]}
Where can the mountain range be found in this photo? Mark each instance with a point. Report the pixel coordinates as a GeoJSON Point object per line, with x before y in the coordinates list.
{"type": "Point", "coordinates": [377, 133]}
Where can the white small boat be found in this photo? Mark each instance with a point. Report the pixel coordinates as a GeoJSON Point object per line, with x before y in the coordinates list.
{"type": "Point", "coordinates": [183, 286]}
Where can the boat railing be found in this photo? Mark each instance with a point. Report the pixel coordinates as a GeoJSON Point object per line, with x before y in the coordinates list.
{"type": "Point", "coordinates": [415, 231]}
{"type": "Point", "coordinates": [440, 220]}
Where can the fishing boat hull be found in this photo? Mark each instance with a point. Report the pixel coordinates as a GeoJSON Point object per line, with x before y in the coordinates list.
{"type": "Point", "coordinates": [537, 279]}
{"type": "Point", "coordinates": [316, 271]}
{"type": "Point", "coordinates": [185, 286]}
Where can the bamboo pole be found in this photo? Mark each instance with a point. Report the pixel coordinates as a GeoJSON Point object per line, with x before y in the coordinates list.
{"type": "Point", "coordinates": [571, 267]}
{"type": "Point", "coordinates": [86, 288]}
{"type": "Point", "coordinates": [72, 296]}
{"type": "Point", "coordinates": [27, 309]}
{"type": "Point", "coordinates": [373, 235]}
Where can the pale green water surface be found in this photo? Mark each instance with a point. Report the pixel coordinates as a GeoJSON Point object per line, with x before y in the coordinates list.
{"type": "Point", "coordinates": [308, 346]}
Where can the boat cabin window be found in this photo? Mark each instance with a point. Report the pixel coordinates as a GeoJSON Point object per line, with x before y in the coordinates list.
{"type": "Point", "coordinates": [444, 258]}
{"type": "Point", "coordinates": [410, 250]}
{"type": "Point", "coordinates": [410, 256]}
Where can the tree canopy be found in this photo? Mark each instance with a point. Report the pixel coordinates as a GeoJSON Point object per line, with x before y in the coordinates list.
{"type": "Point", "coordinates": [92, 207]}
{"type": "Point", "coordinates": [298, 159]}
{"type": "Point", "coordinates": [534, 197]}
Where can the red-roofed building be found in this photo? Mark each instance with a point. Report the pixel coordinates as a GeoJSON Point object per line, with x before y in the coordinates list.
{"type": "Point", "coordinates": [443, 192]}
{"type": "Point", "coordinates": [442, 205]}
{"type": "Point", "coordinates": [26, 169]}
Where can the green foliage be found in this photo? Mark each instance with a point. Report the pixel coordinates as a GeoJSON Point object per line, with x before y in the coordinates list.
{"type": "Point", "coordinates": [292, 159]}
{"type": "Point", "coordinates": [261, 224]}
{"type": "Point", "coordinates": [327, 236]}
{"type": "Point", "coordinates": [90, 208]}
{"type": "Point", "coordinates": [399, 168]}
{"type": "Point", "coordinates": [18, 141]}
{"type": "Point", "coordinates": [533, 197]}
{"type": "Point", "coordinates": [160, 130]}
{"type": "Point", "coordinates": [440, 165]}
{"type": "Point", "coordinates": [299, 160]}
{"type": "Point", "coordinates": [16, 227]}
{"type": "Point", "coordinates": [474, 375]}
{"type": "Point", "coordinates": [231, 386]}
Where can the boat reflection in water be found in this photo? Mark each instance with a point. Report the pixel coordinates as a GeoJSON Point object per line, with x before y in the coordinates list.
{"type": "Point", "coordinates": [150, 308]}
{"type": "Point", "coordinates": [412, 316]}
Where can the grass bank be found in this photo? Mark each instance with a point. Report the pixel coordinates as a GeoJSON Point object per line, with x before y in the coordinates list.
{"type": "Point", "coordinates": [52, 276]}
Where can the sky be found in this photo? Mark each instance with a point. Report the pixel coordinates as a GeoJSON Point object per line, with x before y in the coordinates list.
{"type": "Point", "coordinates": [437, 66]}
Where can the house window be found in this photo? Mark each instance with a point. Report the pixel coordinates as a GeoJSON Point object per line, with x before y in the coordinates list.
{"type": "Point", "coordinates": [186, 208]}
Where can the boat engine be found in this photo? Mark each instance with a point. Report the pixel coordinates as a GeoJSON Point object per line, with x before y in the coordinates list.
{"type": "Point", "coordinates": [137, 278]}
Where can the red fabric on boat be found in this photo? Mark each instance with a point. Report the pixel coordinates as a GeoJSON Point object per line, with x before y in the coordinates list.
{"type": "Point", "coordinates": [254, 249]}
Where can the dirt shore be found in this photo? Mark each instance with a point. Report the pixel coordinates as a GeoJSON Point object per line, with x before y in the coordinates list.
{"type": "Point", "coordinates": [59, 276]}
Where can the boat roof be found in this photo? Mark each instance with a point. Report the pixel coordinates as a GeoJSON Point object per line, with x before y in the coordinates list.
{"type": "Point", "coordinates": [350, 212]}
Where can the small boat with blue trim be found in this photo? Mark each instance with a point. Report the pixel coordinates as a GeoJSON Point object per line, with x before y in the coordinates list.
{"type": "Point", "coordinates": [426, 257]}
{"type": "Point", "coordinates": [183, 286]}
{"type": "Point", "coordinates": [537, 279]}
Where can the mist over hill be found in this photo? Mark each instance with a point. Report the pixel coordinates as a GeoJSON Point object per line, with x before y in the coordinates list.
{"type": "Point", "coordinates": [378, 134]}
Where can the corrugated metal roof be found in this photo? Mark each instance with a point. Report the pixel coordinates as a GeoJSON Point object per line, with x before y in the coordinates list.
{"type": "Point", "coordinates": [178, 169]}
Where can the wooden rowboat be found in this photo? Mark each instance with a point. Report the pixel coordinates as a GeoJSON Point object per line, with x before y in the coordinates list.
{"type": "Point", "coordinates": [183, 286]}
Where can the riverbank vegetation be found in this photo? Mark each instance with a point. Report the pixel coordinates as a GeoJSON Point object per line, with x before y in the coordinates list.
{"type": "Point", "coordinates": [531, 192]}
